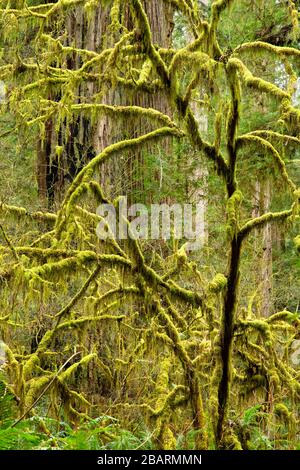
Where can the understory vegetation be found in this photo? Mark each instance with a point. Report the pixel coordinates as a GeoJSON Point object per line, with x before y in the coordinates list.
{"type": "Point", "coordinates": [148, 344]}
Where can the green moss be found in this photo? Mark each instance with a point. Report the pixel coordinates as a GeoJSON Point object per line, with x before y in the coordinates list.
{"type": "Point", "coordinates": [256, 82]}
{"type": "Point", "coordinates": [172, 312]}
{"type": "Point", "coordinates": [282, 412]}
{"type": "Point", "coordinates": [36, 386]}
{"type": "Point", "coordinates": [280, 164]}
{"type": "Point", "coordinates": [218, 283]}
{"type": "Point", "coordinates": [70, 371]}
{"type": "Point", "coordinates": [297, 243]}
{"type": "Point", "coordinates": [231, 442]}
{"type": "Point", "coordinates": [233, 205]}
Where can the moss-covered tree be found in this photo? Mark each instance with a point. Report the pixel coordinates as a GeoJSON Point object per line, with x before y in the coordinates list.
{"type": "Point", "coordinates": [59, 281]}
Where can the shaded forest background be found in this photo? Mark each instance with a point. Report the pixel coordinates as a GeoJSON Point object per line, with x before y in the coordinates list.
{"type": "Point", "coordinates": [146, 344]}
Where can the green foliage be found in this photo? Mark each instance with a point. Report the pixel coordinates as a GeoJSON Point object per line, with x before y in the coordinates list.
{"type": "Point", "coordinates": [7, 405]}
{"type": "Point", "coordinates": [171, 343]}
{"type": "Point", "coordinates": [16, 439]}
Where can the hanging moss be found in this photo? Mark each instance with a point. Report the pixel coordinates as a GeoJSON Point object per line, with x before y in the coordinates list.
{"type": "Point", "coordinates": [36, 385]}
{"type": "Point", "coordinates": [218, 283]}
{"type": "Point", "coordinates": [164, 434]}
{"type": "Point", "coordinates": [70, 371]}
{"type": "Point", "coordinates": [282, 412]}
{"type": "Point", "coordinates": [278, 159]}
{"type": "Point", "coordinates": [260, 325]}
{"type": "Point", "coordinates": [233, 205]}
{"type": "Point", "coordinates": [132, 308]}
{"type": "Point", "coordinates": [256, 82]}
{"type": "Point", "coordinates": [297, 243]}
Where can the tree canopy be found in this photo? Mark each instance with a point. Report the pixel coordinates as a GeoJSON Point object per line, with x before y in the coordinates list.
{"type": "Point", "coordinates": [103, 99]}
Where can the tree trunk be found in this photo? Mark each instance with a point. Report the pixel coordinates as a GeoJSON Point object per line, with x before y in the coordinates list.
{"type": "Point", "coordinates": [264, 250]}
{"type": "Point", "coordinates": [200, 194]}
{"type": "Point", "coordinates": [75, 138]}
{"type": "Point", "coordinates": [267, 258]}
{"type": "Point", "coordinates": [126, 177]}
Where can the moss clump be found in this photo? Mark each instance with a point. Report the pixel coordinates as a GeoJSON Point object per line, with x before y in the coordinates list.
{"type": "Point", "coordinates": [297, 243]}
{"type": "Point", "coordinates": [218, 283]}
{"type": "Point", "coordinates": [282, 412]}
{"type": "Point", "coordinates": [233, 205]}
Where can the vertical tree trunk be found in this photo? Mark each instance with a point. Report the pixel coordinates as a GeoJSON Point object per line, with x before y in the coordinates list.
{"type": "Point", "coordinates": [263, 197]}
{"type": "Point", "coordinates": [267, 258]}
{"type": "Point", "coordinates": [75, 138]}
{"type": "Point", "coordinates": [127, 176]}
{"type": "Point", "coordinates": [201, 175]}
{"type": "Point", "coordinates": [83, 142]}
{"type": "Point", "coordinates": [264, 250]}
